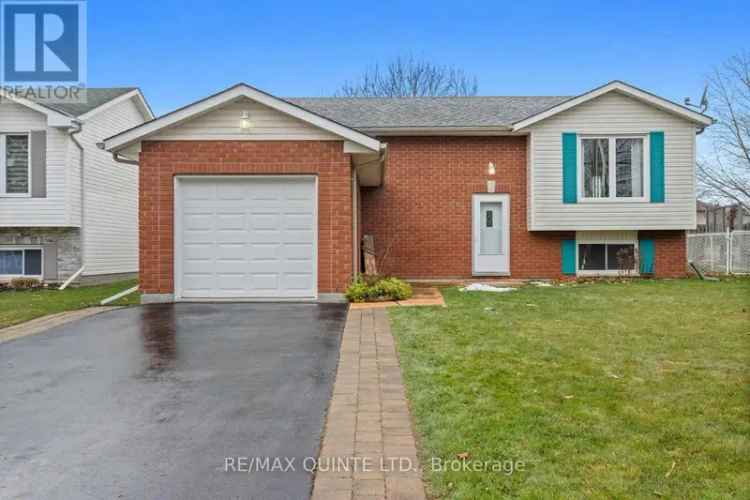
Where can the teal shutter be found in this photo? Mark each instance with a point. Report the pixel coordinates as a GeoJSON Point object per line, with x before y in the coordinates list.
{"type": "Point", "coordinates": [568, 252]}
{"type": "Point", "coordinates": [657, 167]}
{"type": "Point", "coordinates": [646, 251]}
{"type": "Point", "coordinates": [570, 164]}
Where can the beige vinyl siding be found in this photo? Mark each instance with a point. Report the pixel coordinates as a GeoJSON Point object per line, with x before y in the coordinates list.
{"type": "Point", "coordinates": [606, 236]}
{"type": "Point", "coordinates": [612, 114]}
{"type": "Point", "coordinates": [110, 224]}
{"type": "Point", "coordinates": [38, 212]}
{"type": "Point", "coordinates": [223, 124]}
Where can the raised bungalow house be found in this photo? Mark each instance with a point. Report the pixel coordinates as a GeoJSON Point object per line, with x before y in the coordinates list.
{"type": "Point", "coordinates": [66, 207]}
{"type": "Point", "coordinates": [245, 195]}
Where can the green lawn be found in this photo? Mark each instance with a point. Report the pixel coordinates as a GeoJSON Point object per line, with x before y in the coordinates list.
{"type": "Point", "coordinates": [635, 390]}
{"type": "Point", "coordinates": [20, 306]}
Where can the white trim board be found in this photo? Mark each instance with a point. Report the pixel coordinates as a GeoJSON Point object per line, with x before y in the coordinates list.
{"type": "Point", "coordinates": [198, 108]}
{"type": "Point", "coordinates": [624, 88]}
{"type": "Point", "coordinates": [141, 103]}
{"type": "Point", "coordinates": [54, 118]}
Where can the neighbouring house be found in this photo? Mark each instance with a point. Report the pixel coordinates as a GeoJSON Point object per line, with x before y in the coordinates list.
{"type": "Point", "coordinates": [714, 218]}
{"type": "Point", "coordinates": [66, 205]}
{"type": "Point", "coordinates": [244, 195]}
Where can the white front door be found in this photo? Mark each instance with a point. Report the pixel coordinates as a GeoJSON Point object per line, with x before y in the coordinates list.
{"type": "Point", "coordinates": [245, 237]}
{"type": "Point", "coordinates": [491, 234]}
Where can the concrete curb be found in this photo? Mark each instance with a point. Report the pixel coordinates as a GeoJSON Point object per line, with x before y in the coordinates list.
{"type": "Point", "coordinates": [44, 323]}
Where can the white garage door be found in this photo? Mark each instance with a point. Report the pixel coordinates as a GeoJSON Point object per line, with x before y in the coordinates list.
{"type": "Point", "coordinates": [246, 237]}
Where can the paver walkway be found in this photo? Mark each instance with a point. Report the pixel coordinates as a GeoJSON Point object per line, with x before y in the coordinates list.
{"type": "Point", "coordinates": [425, 296]}
{"type": "Point", "coordinates": [44, 323]}
{"type": "Point", "coordinates": [368, 449]}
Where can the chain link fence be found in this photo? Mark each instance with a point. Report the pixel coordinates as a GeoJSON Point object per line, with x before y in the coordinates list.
{"type": "Point", "coordinates": [722, 253]}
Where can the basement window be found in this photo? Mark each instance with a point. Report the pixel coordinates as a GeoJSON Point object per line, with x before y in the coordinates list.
{"type": "Point", "coordinates": [606, 257]}
{"type": "Point", "coordinates": [21, 262]}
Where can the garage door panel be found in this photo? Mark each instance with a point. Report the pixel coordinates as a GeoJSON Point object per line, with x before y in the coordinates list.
{"type": "Point", "coordinates": [231, 221]}
{"type": "Point", "coordinates": [299, 251]}
{"type": "Point", "coordinates": [261, 221]}
{"type": "Point", "coordinates": [229, 237]}
{"type": "Point", "coordinates": [231, 191]}
{"type": "Point", "coordinates": [265, 281]}
{"type": "Point", "coordinates": [198, 221]}
{"type": "Point", "coordinates": [231, 282]}
{"type": "Point", "coordinates": [195, 191]}
{"type": "Point", "coordinates": [194, 282]}
{"type": "Point", "coordinates": [296, 236]}
{"type": "Point", "coordinates": [298, 221]}
{"type": "Point", "coordinates": [297, 281]}
{"type": "Point", "coordinates": [297, 266]}
{"type": "Point", "coordinates": [199, 266]}
{"type": "Point", "coordinates": [263, 251]}
{"type": "Point", "coordinates": [247, 238]}
{"type": "Point", "coordinates": [197, 251]}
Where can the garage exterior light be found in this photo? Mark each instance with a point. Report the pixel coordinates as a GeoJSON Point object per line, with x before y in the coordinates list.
{"type": "Point", "coordinates": [245, 123]}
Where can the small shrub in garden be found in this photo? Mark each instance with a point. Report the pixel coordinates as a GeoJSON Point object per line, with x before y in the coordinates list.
{"type": "Point", "coordinates": [371, 288]}
{"type": "Point", "coordinates": [357, 291]}
{"type": "Point", "coordinates": [393, 288]}
{"type": "Point", "coordinates": [24, 283]}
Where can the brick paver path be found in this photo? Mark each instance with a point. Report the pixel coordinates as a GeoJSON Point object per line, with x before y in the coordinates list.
{"type": "Point", "coordinates": [368, 449]}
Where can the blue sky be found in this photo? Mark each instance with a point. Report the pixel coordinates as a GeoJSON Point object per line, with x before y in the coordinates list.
{"type": "Point", "coordinates": [179, 51]}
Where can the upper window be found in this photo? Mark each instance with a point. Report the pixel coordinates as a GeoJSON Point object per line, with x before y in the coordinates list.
{"type": "Point", "coordinates": [14, 164]}
{"type": "Point", "coordinates": [612, 167]}
{"type": "Point", "coordinates": [21, 262]}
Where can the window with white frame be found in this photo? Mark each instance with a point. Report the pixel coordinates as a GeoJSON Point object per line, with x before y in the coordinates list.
{"type": "Point", "coordinates": [613, 167]}
{"type": "Point", "coordinates": [606, 257]}
{"type": "Point", "coordinates": [15, 175]}
{"type": "Point", "coordinates": [20, 262]}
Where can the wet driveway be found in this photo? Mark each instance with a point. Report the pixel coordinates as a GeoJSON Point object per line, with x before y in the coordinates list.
{"type": "Point", "coordinates": [149, 402]}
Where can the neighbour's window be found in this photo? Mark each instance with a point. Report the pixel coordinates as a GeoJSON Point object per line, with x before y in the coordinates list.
{"type": "Point", "coordinates": [612, 167]}
{"type": "Point", "coordinates": [14, 164]}
{"type": "Point", "coordinates": [606, 257]}
{"type": "Point", "coordinates": [21, 262]}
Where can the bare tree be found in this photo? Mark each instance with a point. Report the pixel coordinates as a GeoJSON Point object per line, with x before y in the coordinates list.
{"type": "Point", "coordinates": [726, 174]}
{"type": "Point", "coordinates": [409, 77]}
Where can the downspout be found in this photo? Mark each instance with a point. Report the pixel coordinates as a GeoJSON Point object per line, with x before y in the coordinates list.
{"type": "Point", "coordinates": [75, 130]}
{"type": "Point", "coordinates": [120, 159]}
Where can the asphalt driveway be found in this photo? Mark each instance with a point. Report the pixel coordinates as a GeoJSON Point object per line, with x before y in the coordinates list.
{"type": "Point", "coordinates": [150, 402]}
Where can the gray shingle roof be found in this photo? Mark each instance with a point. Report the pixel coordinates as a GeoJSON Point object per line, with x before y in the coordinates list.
{"type": "Point", "coordinates": [95, 97]}
{"type": "Point", "coordinates": [376, 112]}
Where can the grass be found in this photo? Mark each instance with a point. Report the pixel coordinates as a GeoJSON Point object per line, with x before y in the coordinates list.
{"type": "Point", "coordinates": [599, 390]}
{"type": "Point", "coordinates": [24, 305]}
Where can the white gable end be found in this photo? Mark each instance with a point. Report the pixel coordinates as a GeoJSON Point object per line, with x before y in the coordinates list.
{"type": "Point", "coordinates": [612, 114]}
{"type": "Point", "coordinates": [223, 123]}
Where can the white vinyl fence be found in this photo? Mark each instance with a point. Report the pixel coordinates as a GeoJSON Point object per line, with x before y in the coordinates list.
{"type": "Point", "coordinates": [725, 253]}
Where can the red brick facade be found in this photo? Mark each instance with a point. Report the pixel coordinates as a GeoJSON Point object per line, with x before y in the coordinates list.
{"type": "Point", "coordinates": [421, 217]}
{"type": "Point", "coordinates": [671, 252]}
{"type": "Point", "coordinates": [160, 161]}
{"type": "Point", "coordinates": [423, 214]}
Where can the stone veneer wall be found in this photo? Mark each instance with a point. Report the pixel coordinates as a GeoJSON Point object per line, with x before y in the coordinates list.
{"type": "Point", "coordinates": [67, 240]}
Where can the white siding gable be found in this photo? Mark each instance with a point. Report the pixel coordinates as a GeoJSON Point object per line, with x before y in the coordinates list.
{"type": "Point", "coordinates": [110, 206]}
{"type": "Point", "coordinates": [610, 114]}
{"type": "Point", "coordinates": [223, 124]}
{"type": "Point", "coordinates": [40, 212]}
